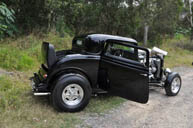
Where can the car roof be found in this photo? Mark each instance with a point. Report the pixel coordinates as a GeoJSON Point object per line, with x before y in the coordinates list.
{"type": "Point", "coordinates": [104, 37]}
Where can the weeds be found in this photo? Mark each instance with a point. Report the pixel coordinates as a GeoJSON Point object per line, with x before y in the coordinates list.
{"type": "Point", "coordinates": [10, 93]}
{"type": "Point", "coordinates": [179, 52]}
{"type": "Point", "coordinates": [15, 59]}
{"type": "Point", "coordinates": [24, 53]}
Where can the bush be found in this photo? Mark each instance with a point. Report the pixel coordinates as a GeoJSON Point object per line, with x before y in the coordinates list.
{"type": "Point", "coordinates": [183, 31]}
{"type": "Point", "coordinates": [7, 20]}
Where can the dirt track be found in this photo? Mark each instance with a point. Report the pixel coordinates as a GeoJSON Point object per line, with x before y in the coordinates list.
{"type": "Point", "coordinates": [161, 111]}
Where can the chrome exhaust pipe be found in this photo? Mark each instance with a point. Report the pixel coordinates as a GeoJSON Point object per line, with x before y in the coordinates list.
{"type": "Point", "coordinates": [42, 93]}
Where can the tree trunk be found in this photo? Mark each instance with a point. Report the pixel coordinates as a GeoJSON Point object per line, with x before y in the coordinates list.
{"type": "Point", "coordinates": [191, 34]}
{"type": "Point", "coordinates": [145, 36]}
{"type": "Point", "coordinates": [190, 8]}
{"type": "Point", "coordinates": [191, 24]}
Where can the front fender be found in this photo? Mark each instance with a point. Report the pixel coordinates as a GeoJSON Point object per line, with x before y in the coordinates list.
{"type": "Point", "coordinates": [170, 78]}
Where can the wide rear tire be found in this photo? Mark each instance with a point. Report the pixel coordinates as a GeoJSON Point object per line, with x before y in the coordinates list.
{"type": "Point", "coordinates": [71, 94]}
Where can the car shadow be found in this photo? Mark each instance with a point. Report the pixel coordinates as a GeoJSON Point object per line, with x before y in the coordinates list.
{"type": "Point", "coordinates": [156, 91]}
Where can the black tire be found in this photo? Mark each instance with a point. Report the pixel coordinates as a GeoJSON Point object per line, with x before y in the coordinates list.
{"type": "Point", "coordinates": [168, 86]}
{"type": "Point", "coordinates": [57, 93]}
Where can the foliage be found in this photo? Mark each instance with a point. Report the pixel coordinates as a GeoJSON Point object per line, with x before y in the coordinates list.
{"type": "Point", "coordinates": [184, 31]}
{"type": "Point", "coordinates": [7, 20]}
{"type": "Point", "coordinates": [162, 17]}
{"type": "Point", "coordinates": [123, 17]}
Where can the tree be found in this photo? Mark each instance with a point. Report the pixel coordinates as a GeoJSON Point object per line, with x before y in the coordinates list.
{"type": "Point", "coordinates": [148, 12]}
{"type": "Point", "coordinates": [159, 18]}
{"type": "Point", "coordinates": [7, 20]}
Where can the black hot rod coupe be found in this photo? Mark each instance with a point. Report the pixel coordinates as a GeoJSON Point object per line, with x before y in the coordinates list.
{"type": "Point", "coordinates": [98, 63]}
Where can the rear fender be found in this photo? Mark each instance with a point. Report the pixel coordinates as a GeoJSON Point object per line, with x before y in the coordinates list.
{"type": "Point", "coordinates": [65, 73]}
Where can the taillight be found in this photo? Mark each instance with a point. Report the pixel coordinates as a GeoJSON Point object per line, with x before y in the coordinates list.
{"type": "Point", "coordinates": [45, 76]}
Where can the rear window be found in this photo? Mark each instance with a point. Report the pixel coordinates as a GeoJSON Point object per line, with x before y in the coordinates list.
{"type": "Point", "coordinates": [85, 45]}
{"type": "Point", "coordinates": [78, 45]}
{"type": "Point", "coordinates": [79, 42]}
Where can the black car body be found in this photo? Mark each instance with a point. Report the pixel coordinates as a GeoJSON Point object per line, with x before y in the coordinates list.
{"type": "Point", "coordinates": [113, 64]}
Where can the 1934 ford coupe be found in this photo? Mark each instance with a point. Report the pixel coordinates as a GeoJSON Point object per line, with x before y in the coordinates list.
{"type": "Point", "coordinates": [101, 63]}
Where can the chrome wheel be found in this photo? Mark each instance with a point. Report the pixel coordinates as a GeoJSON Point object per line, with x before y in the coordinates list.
{"type": "Point", "coordinates": [175, 86]}
{"type": "Point", "coordinates": [72, 94]}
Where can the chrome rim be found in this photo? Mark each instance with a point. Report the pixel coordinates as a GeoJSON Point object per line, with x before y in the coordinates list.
{"type": "Point", "coordinates": [72, 94]}
{"type": "Point", "coordinates": [175, 85]}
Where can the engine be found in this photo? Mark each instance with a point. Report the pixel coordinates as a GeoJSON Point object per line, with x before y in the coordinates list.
{"type": "Point", "coordinates": [156, 60]}
{"type": "Point", "coordinates": [154, 68]}
{"type": "Point", "coordinates": [156, 63]}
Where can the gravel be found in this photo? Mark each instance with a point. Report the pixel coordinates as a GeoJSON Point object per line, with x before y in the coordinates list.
{"type": "Point", "coordinates": [161, 111]}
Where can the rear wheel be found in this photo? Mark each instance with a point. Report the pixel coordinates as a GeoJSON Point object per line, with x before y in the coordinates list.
{"type": "Point", "coordinates": [71, 94]}
{"type": "Point", "coordinates": [173, 85]}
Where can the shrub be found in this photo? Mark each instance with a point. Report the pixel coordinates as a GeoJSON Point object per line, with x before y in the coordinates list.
{"type": "Point", "coordinates": [7, 20]}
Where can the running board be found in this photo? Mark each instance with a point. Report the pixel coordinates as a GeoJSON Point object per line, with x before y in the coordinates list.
{"type": "Point", "coordinates": [156, 84]}
{"type": "Point", "coordinates": [42, 93]}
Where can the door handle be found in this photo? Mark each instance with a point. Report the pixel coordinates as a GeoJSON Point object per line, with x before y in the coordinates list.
{"type": "Point", "coordinates": [143, 74]}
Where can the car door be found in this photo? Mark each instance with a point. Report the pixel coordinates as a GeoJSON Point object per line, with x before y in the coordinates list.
{"type": "Point", "coordinates": [123, 73]}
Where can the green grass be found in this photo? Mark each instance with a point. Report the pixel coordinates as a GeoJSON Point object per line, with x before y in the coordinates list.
{"type": "Point", "coordinates": [178, 52]}
{"type": "Point", "coordinates": [24, 53]}
{"type": "Point", "coordinates": [13, 58]}
{"type": "Point", "coordinates": [19, 108]}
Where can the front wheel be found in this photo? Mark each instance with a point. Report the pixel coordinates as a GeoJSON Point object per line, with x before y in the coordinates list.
{"type": "Point", "coordinates": [71, 94]}
{"type": "Point", "coordinates": [173, 84]}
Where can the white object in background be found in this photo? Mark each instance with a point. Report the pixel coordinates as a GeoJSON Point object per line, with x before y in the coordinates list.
{"type": "Point", "coordinates": [157, 50]}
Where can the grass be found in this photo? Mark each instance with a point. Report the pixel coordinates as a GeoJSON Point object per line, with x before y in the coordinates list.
{"type": "Point", "coordinates": [19, 108]}
{"type": "Point", "coordinates": [24, 53]}
{"type": "Point", "coordinates": [179, 52]}
{"type": "Point", "coordinates": [13, 58]}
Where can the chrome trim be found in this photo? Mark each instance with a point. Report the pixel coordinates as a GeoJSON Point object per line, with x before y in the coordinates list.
{"type": "Point", "coordinates": [42, 93]}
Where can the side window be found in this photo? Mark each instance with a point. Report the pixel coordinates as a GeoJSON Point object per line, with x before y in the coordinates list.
{"type": "Point", "coordinates": [125, 52]}
{"type": "Point", "coordinates": [121, 51]}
